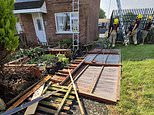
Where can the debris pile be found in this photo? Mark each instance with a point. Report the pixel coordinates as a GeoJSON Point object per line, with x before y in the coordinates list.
{"type": "Point", "coordinates": [15, 80]}
{"type": "Point", "coordinates": [83, 77]}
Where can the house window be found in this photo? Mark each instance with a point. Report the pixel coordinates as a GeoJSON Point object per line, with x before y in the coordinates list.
{"type": "Point", "coordinates": [67, 22]}
{"type": "Point", "coordinates": [39, 24]}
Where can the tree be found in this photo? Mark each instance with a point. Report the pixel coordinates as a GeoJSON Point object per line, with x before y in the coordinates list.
{"type": "Point", "coordinates": [8, 41]}
{"type": "Point", "coordinates": [101, 13]}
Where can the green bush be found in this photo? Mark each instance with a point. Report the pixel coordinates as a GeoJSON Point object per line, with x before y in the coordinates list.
{"type": "Point", "coordinates": [62, 58]}
{"type": "Point", "coordinates": [8, 40]}
{"type": "Point", "coordinates": [66, 41]}
{"type": "Point", "coordinates": [47, 58]}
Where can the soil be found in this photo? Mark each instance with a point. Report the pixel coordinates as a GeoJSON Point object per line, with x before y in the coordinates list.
{"type": "Point", "coordinates": [15, 80]}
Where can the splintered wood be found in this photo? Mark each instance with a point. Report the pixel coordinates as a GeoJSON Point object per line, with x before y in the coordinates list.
{"type": "Point", "coordinates": [101, 80]}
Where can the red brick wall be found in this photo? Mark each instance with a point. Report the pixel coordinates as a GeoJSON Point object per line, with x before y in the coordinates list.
{"type": "Point", "coordinates": [89, 10]}
{"type": "Point", "coordinates": [54, 6]}
{"type": "Point", "coordinates": [89, 13]}
{"type": "Point", "coordinates": [84, 5]}
{"type": "Point", "coordinates": [93, 16]}
{"type": "Point", "coordinates": [28, 26]}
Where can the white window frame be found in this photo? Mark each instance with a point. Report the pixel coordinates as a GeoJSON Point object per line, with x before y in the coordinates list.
{"type": "Point", "coordinates": [71, 18]}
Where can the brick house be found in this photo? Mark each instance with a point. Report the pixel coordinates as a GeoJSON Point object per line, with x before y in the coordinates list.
{"type": "Point", "coordinates": [51, 20]}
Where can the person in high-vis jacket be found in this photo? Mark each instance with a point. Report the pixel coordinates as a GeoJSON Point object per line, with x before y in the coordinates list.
{"type": "Point", "coordinates": [146, 28]}
{"type": "Point", "coordinates": [133, 29]}
{"type": "Point", "coordinates": [113, 32]}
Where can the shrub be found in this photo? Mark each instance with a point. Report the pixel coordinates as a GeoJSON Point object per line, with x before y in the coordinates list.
{"type": "Point", "coordinates": [8, 41]}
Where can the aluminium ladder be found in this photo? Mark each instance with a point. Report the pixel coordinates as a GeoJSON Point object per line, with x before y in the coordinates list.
{"type": "Point", "coordinates": [75, 35]}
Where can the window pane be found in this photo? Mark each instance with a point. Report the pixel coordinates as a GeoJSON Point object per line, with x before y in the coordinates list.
{"type": "Point", "coordinates": [75, 15]}
{"type": "Point", "coordinates": [39, 24]}
{"type": "Point", "coordinates": [75, 21]}
{"type": "Point", "coordinates": [67, 27]}
{"type": "Point", "coordinates": [67, 22]}
{"type": "Point", "coordinates": [63, 22]}
{"type": "Point", "coordinates": [75, 25]}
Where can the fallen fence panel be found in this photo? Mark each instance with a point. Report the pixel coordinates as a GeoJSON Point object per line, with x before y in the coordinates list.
{"type": "Point", "coordinates": [101, 79]}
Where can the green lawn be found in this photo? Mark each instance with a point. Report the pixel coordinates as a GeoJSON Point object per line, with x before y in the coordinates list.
{"type": "Point", "coordinates": [137, 84]}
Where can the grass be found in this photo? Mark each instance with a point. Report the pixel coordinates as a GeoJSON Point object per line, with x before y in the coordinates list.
{"type": "Point", "coordinates": [137, 84]}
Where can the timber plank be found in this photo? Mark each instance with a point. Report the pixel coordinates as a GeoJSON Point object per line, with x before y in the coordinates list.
{"type": "Point", "coordinates": [31, 109]}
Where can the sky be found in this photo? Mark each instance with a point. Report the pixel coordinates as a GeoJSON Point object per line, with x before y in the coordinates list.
{"type": "Point", "coordinates": [109, 5]}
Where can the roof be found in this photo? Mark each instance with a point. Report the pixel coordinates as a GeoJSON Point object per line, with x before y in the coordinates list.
{"type": "Point", "coordinates": [28, 4]}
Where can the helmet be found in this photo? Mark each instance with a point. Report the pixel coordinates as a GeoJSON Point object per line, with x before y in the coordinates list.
{"type": "Point", "coordinates": [150, 17]}
{"type": "Point", "coordinates": [116, 21]}
{"type": "Point", "coordinates": [139, 16]}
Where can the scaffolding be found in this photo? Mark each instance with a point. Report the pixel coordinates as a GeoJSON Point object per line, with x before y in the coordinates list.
{"type": "Point", "coordinates": [121, 22]}
{"type": "Point", "coordinates": [129, 16]}
{"type": "Point", "coordinates": [75, 30]}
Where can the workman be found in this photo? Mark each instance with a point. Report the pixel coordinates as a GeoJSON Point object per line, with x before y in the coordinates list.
{"type": "Point", "coordinates": [113, 32]}
{"type": "Point", "coordinates": [146, 28]}
{"type": "Point", "coordinates": [133, 29]}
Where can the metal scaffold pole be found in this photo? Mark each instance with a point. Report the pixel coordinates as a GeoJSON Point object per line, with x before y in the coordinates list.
{"type": "Point", "coordinates": [121, 22]}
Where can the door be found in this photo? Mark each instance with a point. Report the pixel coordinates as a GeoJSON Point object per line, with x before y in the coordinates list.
{"type": "Point", "coordinates": [39, 27]}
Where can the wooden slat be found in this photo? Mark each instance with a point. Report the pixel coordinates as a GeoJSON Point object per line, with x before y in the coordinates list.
{"type": "Point", "coordinates": [97, 97]}
{"type": "Point", "coordinates": [60, 50]}
{"type": "Point", "coordinates": [47, 110]}
{"type": "Point", "coordinates": [105, 51]}
{"type": "Point", "coordinates": [63, 101]}
{"type": "Point", "coordinates": [101, 64]}
{"type": "Point", "coordinates": [76, 94]}
{"type": "Point", "coordinates": [96, 80]}
{"type": "Point", "coordinates": [62, 90]}
{"type": "Point", "coordinates": [31, 109]}
{"type": "Point", "coordinates": [59, 99]}
{"type": "Point", "coordinates": [61, 74]}
{"type": "Point", "coordinates": [69, 67]}
{"type": "Point", "coordinates": [20, 65]}
{"type": "Point", "coordinates": [18, 60]}
{"type": "Point", "coordinates": [75, 62]}
{"type": "Point", "coordinates": [59, 86]}
{"type": "Point", "coordinates": [57, 78]}
{"type": "Point", "coordinates": [118, 84]}
{"type": "Point", "coordinates": [71, 97]}
{"type": "Point", "coordinates": [113, 53]}
{"type": "Point", "coordinates": [53, 105]}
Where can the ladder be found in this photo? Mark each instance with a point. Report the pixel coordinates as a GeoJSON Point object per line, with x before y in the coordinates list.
{"type": "Point", "coordinates": [121, 22]}
{"type": "Point", "coordinates": [75, 35]}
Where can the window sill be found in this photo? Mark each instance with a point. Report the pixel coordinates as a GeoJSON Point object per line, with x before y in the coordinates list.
{"type": "Point", "coordinates": [67, 32]}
